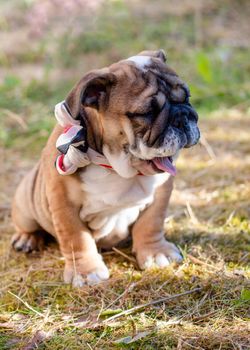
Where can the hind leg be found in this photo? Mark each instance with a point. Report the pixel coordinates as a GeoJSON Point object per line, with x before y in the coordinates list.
{"type": "Point", "coordinates": [27, 242]}
{"type": "Point", "coordinates": [28, 236]}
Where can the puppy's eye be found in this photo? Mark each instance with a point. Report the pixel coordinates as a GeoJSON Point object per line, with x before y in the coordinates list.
{"type": "Point", "coordinates": [148, 114]}
{"type": "Point", "coordinates": [153, 111]}
{"type": "Point", "coordinates": [155, 106]}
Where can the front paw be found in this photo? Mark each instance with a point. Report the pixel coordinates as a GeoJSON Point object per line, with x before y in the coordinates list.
{"type": "Point", "coordinates": [85, 271]}
{"type": "Point", "coordinates": [161, 254]}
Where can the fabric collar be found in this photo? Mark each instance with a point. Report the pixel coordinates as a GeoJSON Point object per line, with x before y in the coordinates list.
{"type": "Point", "coordinates": [72, 144]}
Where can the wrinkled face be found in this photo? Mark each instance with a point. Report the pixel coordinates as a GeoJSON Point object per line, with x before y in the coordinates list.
{"type": "Point", "coordinates": [139, 115]}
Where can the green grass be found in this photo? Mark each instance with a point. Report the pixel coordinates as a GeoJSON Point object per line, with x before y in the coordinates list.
{"type": "Point", "coordinates": [214, 236]}
{"type": "Point", "coordinates": [209, 212]}
{"type": "Point", "coordinates": [217, 75]}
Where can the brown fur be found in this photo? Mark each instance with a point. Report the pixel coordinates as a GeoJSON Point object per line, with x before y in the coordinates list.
{"type": "Point", "coordinates": [49, 201]}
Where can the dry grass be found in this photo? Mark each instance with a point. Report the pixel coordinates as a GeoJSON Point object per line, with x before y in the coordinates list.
{"type": "Point", "coordinates": [44, 50]}
{"type": "Point", "coordinates": [208, 219]}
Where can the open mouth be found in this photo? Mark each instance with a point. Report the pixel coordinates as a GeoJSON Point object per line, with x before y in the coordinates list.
{"type": "Point", "coordinates": [155, 165]}
{"type": "Point", "coordinates": [163, 164]}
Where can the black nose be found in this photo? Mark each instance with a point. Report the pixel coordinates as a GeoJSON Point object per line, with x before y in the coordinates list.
{"type": "Point", "coordinates": [175, 115]}
{"type": "Point", "coordinates": [181, 114]}
{"type": "Point", "coordinates": [184, 118]}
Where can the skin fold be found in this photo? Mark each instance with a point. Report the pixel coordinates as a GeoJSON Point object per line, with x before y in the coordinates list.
{"type": "Point", "coordinates": [130, 110]}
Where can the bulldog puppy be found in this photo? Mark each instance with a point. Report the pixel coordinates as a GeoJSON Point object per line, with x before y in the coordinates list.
{"type": "Point", "coordinates": [138, 116]}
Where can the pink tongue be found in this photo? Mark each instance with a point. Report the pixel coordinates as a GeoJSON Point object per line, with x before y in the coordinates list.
{"type": "Point", "coordinates": [163, 163]}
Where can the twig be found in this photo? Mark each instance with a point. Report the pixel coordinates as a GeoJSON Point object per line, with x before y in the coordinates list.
{"type": "Point", "coordinates": [133, 260]}
{"type": "Point", "coordinates": [126, 291]}
{"type": "Point", "coordinates": [100, 312]}
{"type": "Point", "coordinates": [229, 219]}
{"type": "Point", "coordinates": [89, 346]}
{"type": "Point", "coordinates": [208, 147]}
{"type": "Point", "coordinates": [154, 302]}
{"type": "Point", "coordinates": [164, 283]}
{"type": "Point", "coordinates": [74, 260]}
{"type": "Point", "coordinates": [244, 257]}
{"type": "Point", "coordinates": [191, 213]}
{"type": "Point", "coordinates": [17, 118]}
{"type": "Point", "coordinates": [200, 262]}
{"type": "Point", "coordinates": [203, 317]}
{"type": "Point", "coordinates": [26, 304]}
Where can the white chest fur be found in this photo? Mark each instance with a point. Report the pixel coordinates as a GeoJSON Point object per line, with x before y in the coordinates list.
{"type": "Point", "coordinates": [112, 203]}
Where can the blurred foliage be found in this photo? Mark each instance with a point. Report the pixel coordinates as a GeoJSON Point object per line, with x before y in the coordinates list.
{"type": "Point", "coordinates": [46, 47]}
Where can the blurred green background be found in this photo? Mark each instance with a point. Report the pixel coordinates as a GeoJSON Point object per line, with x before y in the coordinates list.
{"type": "Point", "coordinates": [47, 45]}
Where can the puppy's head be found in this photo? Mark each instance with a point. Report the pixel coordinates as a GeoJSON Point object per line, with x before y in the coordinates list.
{"type": "Point", "coordinates": [137, 113]}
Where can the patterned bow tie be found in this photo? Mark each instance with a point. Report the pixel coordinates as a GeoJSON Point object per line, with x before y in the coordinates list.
{"type": "Point", "coordinates": [73, 146]}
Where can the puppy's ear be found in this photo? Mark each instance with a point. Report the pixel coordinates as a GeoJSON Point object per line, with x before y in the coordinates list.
{"type": "Point", "coordinates": [91, 91]}
{"type": "Point", "coordinates": [158, 54]}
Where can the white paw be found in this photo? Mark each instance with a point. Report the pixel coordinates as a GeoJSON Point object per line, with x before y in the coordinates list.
{"type": "Point", "coordinates": [161, 256]}
{"type": "Point", "coordinates": [78, 277]}
{"type": "Point", "coordinates": [98, 276]}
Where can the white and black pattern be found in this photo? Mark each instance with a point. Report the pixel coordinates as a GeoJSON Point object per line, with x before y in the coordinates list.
{"type": "Point", "coordinates": [72, 143]}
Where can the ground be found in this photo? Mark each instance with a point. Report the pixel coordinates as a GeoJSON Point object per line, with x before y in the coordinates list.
{"type": "Point", "coordinates": [44, 49]}
{"type": "Point", "coordinates": [208, 220]}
